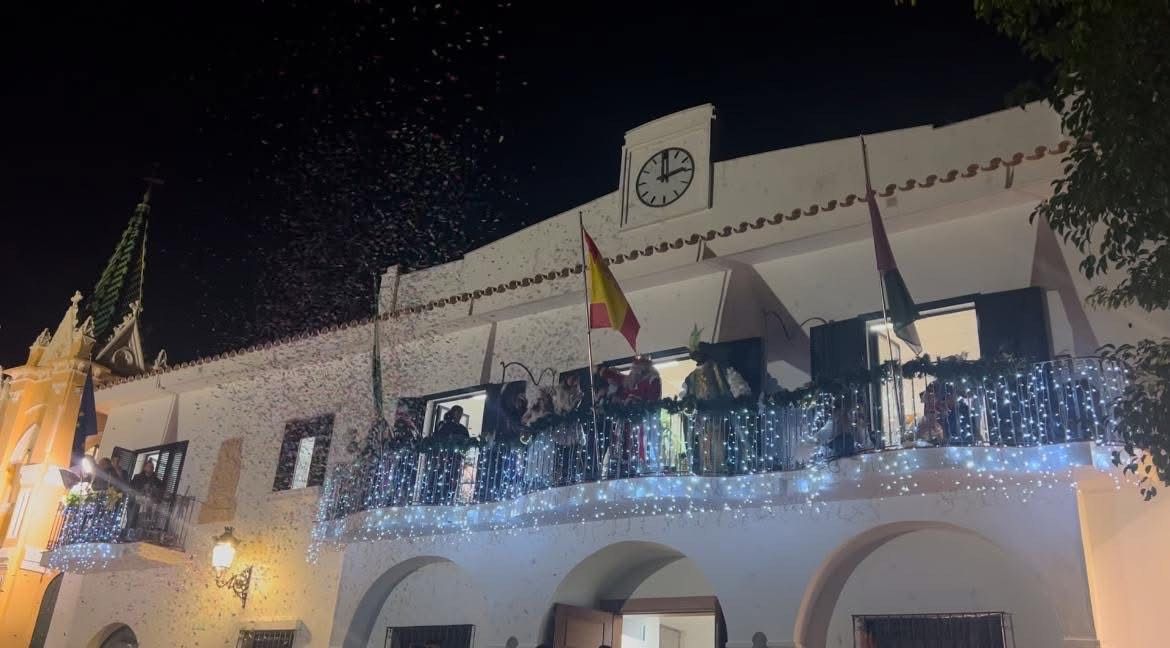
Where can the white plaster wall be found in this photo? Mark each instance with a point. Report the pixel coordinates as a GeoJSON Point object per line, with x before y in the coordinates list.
{"type": "Point", "coordinates": [438, 594]}
{"type": "Point", "coordinates": [1125, 541]}
{"type": "Point", "coordinates": [758, 564]}
{"type": "Point", "coordinates": [945, 571]}
{"type": "Point", "coordinates": [139, 425]}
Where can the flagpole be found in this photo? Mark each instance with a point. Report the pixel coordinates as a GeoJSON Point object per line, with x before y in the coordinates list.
{"type": "Point", "coordinates": [887, 325]}
{"type": "Point", "coordinates": [588, 329]}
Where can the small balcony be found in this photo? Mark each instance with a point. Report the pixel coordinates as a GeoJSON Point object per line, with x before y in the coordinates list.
{"type": "Point", "coordinates": [113, 531]}
{"type": "Point", "coordinates": [985, 420]}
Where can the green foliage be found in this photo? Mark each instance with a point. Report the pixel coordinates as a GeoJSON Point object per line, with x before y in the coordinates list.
{"type": "Point", "coordinates": [1143, 412]}
{"type": "Point", "coordinates": [1110, 81]}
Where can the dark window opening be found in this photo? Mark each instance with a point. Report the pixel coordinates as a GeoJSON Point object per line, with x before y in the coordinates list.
{"type": "Point", "coordinates": [304, 453]}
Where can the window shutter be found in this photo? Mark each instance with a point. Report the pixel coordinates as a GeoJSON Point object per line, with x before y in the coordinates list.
{"type": "Point", "coordinates": [838, 349]}
{"type": "Point", "coordinates": [746, 356]}
{"type": "Point", "coordinates": [323, 432]}
{"type": "Point", "coordinates": [170, 466]}
{"type": "Point", "coordinates": [124, 460]}
{"type": "Point", "coordinates": [1014, 323]}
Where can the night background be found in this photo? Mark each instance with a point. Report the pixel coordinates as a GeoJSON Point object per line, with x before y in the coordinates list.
{"type": "Point", "coordinates": [306, 146]}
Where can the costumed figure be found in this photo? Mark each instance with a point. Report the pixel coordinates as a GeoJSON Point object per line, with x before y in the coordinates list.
{"type": "Point", "coordinates": [711, 380]}
{"type": "Point", "coordinates": [540, 455]}
{"type": "Point", "coordinates": [642, 385]}
{"type": "Point", "coordinates": [500, 471]}
{"type": "Point", "coordinates": [610, 386]}
{"type": "Point", "coordinates": [570, 437]}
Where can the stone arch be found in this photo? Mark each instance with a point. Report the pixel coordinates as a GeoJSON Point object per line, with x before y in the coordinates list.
{"type": "Point", "coordinates": [617, 571]}
{"type": "Point", "coordinates": [114, 635]}
{"type": "Point", "coordinates": [24, 445]}
{"type": "Point", "coordinates": [369, 607]}
{"type": "Point", "coordinates": [829, 580]}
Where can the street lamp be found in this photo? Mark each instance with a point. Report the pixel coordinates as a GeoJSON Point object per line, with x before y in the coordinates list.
{"type": "Point", "coordinates": [223, 553]}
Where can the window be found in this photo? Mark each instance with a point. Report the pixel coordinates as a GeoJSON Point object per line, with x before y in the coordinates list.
{"type": "Point", "coordinates": [436, 636]}
{"type": "Point", "coordinates": [266, 639]}
{"type": "Point", "coordinates": [304, 453]}
{"type": "Point", "coordinates": [471, 402]}
{"type": "Point", "coordinates": [960, 630]}
{"type": "Point", "coordinates": [18, 513]}
{"type": "Point", "coordinates": [945, 332]}
{"type": "Point", "coordinates": [167, 459]}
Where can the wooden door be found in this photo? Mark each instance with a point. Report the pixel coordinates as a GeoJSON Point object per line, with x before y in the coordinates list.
{"type": "Point", "coordinates": [578, 627]}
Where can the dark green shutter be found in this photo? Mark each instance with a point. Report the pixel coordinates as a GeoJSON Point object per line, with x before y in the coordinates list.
{"type": "Point", "coordinates": [1014, 323]}
{"type": "Point", "coordinates": [746, 356]}
{"type": "Point", "coordinates": [838, 349]}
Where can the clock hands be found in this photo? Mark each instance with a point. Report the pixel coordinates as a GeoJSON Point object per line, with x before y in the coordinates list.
{"type": "Point", "coordinates": [664, 171]}
{"type": "Point", "coordinates": [667, 176]}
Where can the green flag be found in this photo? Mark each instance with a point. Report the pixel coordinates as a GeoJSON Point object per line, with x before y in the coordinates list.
{"type": "Point", "coordinates": [376, 357]}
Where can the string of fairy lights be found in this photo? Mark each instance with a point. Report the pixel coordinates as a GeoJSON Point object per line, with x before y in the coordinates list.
{"type": "Point", "coordinates": [1011, 435]}
{"type": "Point", "coordinates": [1014, 435]}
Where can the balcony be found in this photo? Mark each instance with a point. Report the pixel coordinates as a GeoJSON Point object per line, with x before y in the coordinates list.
{"type": "Point", "coordinates": [885, 435]}
{"type": "Point", "coordinates": [112, 531]}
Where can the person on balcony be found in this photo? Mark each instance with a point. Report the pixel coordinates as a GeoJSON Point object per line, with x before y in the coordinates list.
{"type": "Point", "coordinates": [642, 386]}
{"type": "Point", "coordinates": [445, 463]}
{"type": "Point", "coordinates": [107, 476]}
{"type": "Point", "coordinates": [712, 381]}
{"type": "Point", "coordinates": [147, 491]}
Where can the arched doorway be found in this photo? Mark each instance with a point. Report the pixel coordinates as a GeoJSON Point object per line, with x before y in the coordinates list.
{"type": "Point", "coordinates": [421, 601]}
{"type": "Point", "coordinates": [924, 575]}
{"type": "Point", "coordinates": [115, 635]}
{"type": "Point", "coordinates": [45, 613]}
{"type": "Point", "coordinates": [635, 595]}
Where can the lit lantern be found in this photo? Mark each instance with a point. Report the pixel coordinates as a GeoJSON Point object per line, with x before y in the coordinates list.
{"type": "Point", "coordinates": [223, 554]}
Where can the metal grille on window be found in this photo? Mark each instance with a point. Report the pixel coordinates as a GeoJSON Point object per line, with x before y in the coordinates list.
{"type": "Point", "coordinates": [954, 630]}
{"type": "Point", "coordinates": [266, 639]}
{"type": "Point", "coordinates": [437, 636]}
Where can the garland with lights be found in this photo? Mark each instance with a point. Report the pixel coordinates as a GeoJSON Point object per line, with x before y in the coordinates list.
{"type": "Point", "coordinates": [1003, 405]}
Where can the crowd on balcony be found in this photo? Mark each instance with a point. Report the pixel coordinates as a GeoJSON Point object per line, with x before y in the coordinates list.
{"type": "Point", "coordinates": [106, 506]}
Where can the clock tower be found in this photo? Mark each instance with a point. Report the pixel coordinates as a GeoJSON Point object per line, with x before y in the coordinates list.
{"type": "Point", "coordinates": [666, 168]}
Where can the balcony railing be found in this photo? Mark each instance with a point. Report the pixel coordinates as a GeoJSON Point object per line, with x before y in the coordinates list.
{"type": "Point", "coordinates": [1059, 401]}
{"type": "Point", "coordinates": [111, 516]}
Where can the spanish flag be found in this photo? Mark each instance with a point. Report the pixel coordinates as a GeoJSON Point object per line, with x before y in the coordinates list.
{"type": "Point", "coordinates": [608, 307]}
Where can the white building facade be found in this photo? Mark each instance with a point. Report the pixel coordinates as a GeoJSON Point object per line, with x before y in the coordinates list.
{"type": "Point", "coordinates": [973, 497]}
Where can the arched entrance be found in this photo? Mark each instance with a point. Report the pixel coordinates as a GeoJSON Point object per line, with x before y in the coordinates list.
{"type": "Point", "coordinates": [45, 613]}
{"type": "Point", "coordinates": [115, 635]}
{"type": "Point", "coordinates": [923, 573]}
{"type": "Point", "coordinates": [424, 599]}
{"type": "Point", "coordinates": [635, 595]}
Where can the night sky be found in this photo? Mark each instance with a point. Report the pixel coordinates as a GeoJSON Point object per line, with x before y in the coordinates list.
{"type": "Point", "coordinates": [305, 146]}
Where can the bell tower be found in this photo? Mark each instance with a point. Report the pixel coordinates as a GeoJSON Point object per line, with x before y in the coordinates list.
{"type": "Point", "coordinates": [40, 426]}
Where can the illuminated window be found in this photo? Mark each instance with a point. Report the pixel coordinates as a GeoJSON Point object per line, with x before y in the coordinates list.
{"type": "Point", "coordinates": [472, 403]}
{"type": "Point", "coordinates": [949, 332]}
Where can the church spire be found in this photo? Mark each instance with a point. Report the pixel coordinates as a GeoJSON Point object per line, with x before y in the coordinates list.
{"type": "Point", "coordinates": [118, 293]}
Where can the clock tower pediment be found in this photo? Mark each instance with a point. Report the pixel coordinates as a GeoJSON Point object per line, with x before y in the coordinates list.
{"type": "Point", "coordinates": [666, 168]}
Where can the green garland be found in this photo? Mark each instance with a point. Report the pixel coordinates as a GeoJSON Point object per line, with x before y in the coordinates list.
{"type": "Point", "coordinates": [947, 369]}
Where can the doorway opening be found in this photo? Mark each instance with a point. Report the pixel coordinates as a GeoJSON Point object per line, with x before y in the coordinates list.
{"type": "Point", "coordinates": [668, 631]}
{"type": "Point", "coordinates": [679, 622]}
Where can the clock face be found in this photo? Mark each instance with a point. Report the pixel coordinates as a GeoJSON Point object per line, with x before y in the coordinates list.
{"type": "Point", "coordinates": [665, 177]}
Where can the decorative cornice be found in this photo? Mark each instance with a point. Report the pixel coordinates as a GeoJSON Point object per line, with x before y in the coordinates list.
{"type": "Point", "coordinates": [910, 184]}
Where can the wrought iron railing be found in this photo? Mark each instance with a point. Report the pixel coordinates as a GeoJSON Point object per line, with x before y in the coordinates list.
{"type": "Point", "coordinates": [111, 516]}
{"type": "Point", "coordinates": [959, 629]}
{"type": "Point", "coordinates": [1058, 401]}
